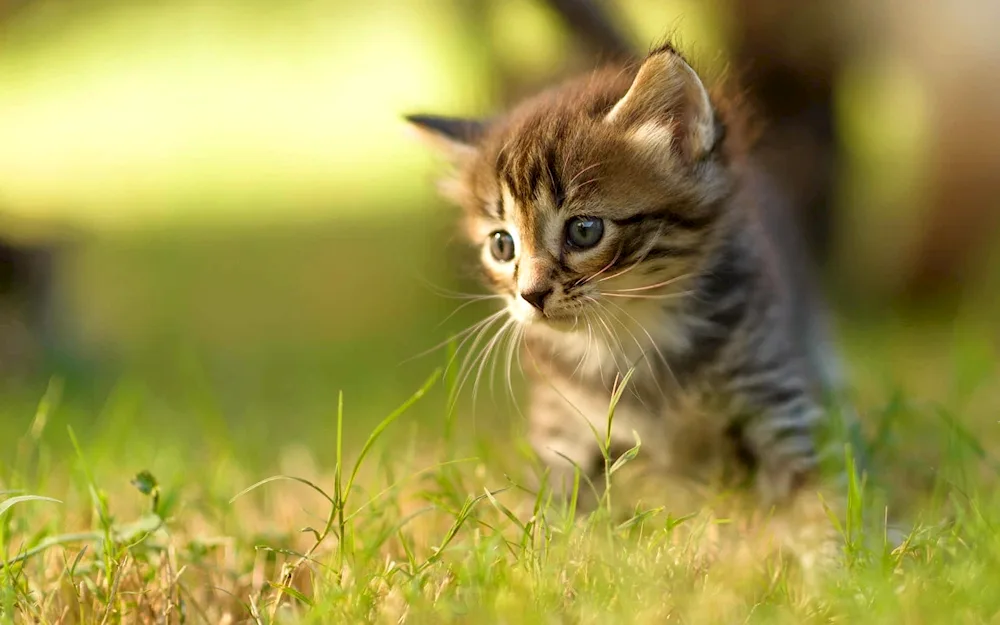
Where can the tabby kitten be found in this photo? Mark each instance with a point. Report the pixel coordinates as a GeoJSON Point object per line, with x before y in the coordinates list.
{"type": "Point", "coordinates": [621, 220]}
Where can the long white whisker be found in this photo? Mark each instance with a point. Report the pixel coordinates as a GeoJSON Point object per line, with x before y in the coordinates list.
{"type": "Point", "coordinates": [596, 331]}
{"type": "Point", "coordinates": [487, 351]}
{"type": "Point", "coordinates": [481, 298]}
{"type": "Point", "coordinates": [655, 286]}
{"type": "Point", "coordinates": [515, 344]}
{"type": "Point", "coordinates": [581, 172]}
{"type": "Point", "coordinates": [635, 296]}
{"type": "Point", "coordinates": [590, 336]}
{"type": "Point", "coordinates": [652, 244]}
{"type": "Point", "coordinates": [606, 267]}
{"type": "Point", "coordinates": [465, 372]}
{"type": "Point", "coordinates": [643, 355]}
{"type": "Point", "coordinates": [449, 293]}
{"type": "Point", "coordinates": [586, 182]}
{"type": "Point", "coordinates": [659, 352]}
{"type": "Point", "coordinates": [471, 356]}
{"type": "Point", "coordinates": [464, 333]}
{"type": "Point", "coordinates": [611, 334]}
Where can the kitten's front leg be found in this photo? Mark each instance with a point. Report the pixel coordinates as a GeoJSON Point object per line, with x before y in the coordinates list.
{"type": "Point", "coordinates": [779, 431]}
{"type": "Point", "coordinates": [561, 439]}
{"type": "Point", "coordinates": [777, 426]}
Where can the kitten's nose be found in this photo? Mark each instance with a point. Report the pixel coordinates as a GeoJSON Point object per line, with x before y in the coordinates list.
{"type": "Point", "coordinates": [537, 298]}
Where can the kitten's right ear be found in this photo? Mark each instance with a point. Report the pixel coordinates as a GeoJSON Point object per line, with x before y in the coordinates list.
{"type": "Point", "coordinates": [668, 104]}
{"type": "Point", "coordinates": [458, 138]}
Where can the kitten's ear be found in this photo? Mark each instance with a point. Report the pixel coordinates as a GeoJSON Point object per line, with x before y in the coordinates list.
{"type": "Point", "coordinates": [456, 137]}
{"type": "Point", "coordinates": [667, 103]}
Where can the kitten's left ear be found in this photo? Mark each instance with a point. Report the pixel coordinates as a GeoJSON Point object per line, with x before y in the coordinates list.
{"type": "Point", "coordinates": [458, 138]}
{"type": "Point", "coordinates": [668, 103]}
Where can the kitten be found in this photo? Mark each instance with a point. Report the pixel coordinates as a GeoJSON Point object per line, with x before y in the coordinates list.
{"type": "Point", "coordinates": [620, 218]}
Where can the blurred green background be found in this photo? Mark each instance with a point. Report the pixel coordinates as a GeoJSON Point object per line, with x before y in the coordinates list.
{"type": "Point", "coordinates": [225, 221]}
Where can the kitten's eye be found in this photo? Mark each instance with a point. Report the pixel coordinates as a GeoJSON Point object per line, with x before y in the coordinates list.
{"type": "Point", "coordinates": [584, 232]}
{"type": "Point", "coordinates": [502, 246]}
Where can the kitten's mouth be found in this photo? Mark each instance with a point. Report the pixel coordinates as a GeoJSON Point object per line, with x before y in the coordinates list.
{"type": "Point", "coordinates": [527, 315]}
{"type": "Point", "coordinates": [562, 322]}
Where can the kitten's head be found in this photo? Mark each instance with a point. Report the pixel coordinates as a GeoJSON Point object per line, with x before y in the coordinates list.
{"type": "Point", "coordinates": [605, 191]}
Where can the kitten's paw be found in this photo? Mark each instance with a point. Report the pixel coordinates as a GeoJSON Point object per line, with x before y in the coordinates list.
{"type": "Point", "coordinates": [812, 537]}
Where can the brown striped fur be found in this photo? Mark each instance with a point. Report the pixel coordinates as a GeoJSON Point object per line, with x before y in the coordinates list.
{"type": "Point", "coordinates": [694, 283]}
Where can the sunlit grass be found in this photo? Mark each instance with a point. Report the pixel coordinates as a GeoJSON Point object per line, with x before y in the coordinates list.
{"type": "Point", "coordinates": [420, 528]}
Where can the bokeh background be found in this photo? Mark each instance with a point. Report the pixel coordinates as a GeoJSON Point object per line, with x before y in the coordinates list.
{"type": "Point", "coordinates": [212, 218]}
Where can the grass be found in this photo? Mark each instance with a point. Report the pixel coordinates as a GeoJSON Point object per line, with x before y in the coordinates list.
{"type": "Point", "coordinates": [411, 526]}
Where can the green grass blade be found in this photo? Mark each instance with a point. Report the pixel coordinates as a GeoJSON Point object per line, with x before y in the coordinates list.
{"type": "Point", "coordinates": [505, 511]}
{"type": "Point", "coordinates": [581, 473]}
{"type": "Point", "coordinates": [276, 478]}
{"type": "Point", "coordinates": [388, 489]}
{"type": "Point", "coordinates": [639, 518]}
{"type": "Point", "coordinates": [463, 515]}
{"type": "Point", "coordinates": [292, 592]}
{"type": "Point", "coordinates": [381, 427]}
{"type": "Point", "coordinates": [616, 396]}
{"type": "Point", "coordinates": [629, 455]}
{"type": "Point", "coordinates": [7, 504]}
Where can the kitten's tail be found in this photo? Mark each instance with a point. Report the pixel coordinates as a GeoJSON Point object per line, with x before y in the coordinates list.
{"type": "Point", "coordinates": [596, 25]}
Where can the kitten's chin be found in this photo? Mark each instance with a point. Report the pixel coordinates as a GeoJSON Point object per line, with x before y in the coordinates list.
{"type": "Point", "coordinates": [560, 324]}
{"type": "Point", "coordinates": [534, 319]}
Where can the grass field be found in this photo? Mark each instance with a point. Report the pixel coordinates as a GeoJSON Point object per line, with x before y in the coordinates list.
{"type": "Point", "coordinates": [229, 436]}
{"type": "Point", "coordinates": [168, 518]}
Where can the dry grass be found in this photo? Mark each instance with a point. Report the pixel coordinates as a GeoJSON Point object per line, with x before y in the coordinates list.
{"type": "Point", "coordinates": [415, 533]}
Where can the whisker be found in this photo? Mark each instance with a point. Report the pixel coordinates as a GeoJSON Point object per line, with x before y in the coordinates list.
{"type": "Point", "coordinates": [586, 351]}
{"type": "Point", "coordinates": [583, 171]}
{"type": "Point", "coordinates": [636, 296]}
{"type": "Point", "coordinates": [593, 322]}
{"type": "Point", "coordinates": [465, 372]}
{"type": "Point", "coordinates": [481, 298]}
{"type": "Point", "coordinates": [449, 293]}
{"type": "Point", "coordinates": [652, 244]}
{"type": "Point", "coordinates": [487, 351]}
{"type": "Point", "coordinates": [514, 344]}
{"type": "Point", "coordinates": [465, 369]}
{"type": "Point", "coordinates": [606, 267]}
{"type": "Point", "coordinates": [464, 333]}
{"type": "Point", "coordinates": [655, 286]}
{"type": "Point", "coordinates": [653, 343]}
{"type": "Point", "coordinates": [577, 188]}
{"type": "Point", "coordinates": [643, 353]}
{"type": "Point", "coordinates": [493, 365]}
{"type": "Point", "coordinates": [611, 334]}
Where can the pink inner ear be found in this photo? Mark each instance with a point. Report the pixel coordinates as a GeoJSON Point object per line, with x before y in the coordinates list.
{"type": "Point", "coordinates": [667, 100]}
{"type": "Point", "coordinates": [653, 134]}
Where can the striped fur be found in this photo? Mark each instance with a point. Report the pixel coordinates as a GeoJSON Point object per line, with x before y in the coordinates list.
{"type": "Point", "coordinates": [692, 283]}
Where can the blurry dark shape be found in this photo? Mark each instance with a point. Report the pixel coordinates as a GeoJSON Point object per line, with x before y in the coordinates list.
{"type": "Point", "coordinates": [788, 55]}
{"type": "Point", "coordinates": [960, 194]}
{"type": "Point", "coordinates": [963, 215]}
{"type": "Point", "coordinates": [596, 25]}
{"type": "Point", "coordinates": [25, 288]}
{"type": "Point", "coordinates": [595, 28]}
{"type": "Point", "coordinates": [27, 314]}
{"type": "Point", "coordinates": [9, 7]}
